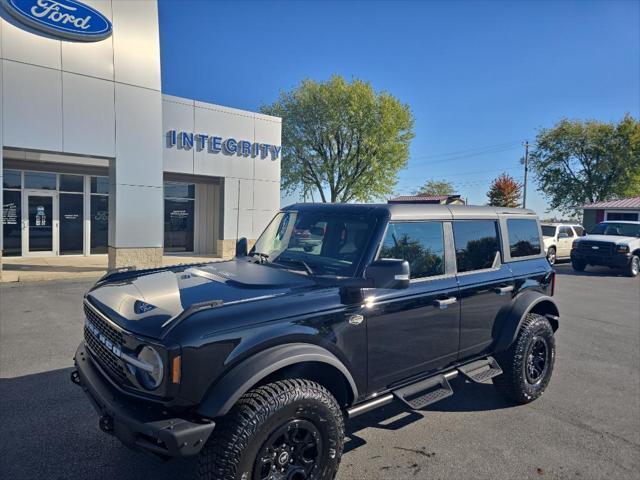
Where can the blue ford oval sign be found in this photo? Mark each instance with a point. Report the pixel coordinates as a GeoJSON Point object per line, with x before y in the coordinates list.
{"type": "Point", "coordinates": [62, 18]}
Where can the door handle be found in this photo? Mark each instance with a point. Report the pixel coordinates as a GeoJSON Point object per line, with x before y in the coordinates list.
{"type": "Point", "coordinates": [504, 290]}
{"type": "Point", "coordinates": [444, 302]}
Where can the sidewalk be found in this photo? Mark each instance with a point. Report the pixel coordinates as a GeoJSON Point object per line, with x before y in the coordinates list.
{"type": "Point", "coordinates": [66, 267]}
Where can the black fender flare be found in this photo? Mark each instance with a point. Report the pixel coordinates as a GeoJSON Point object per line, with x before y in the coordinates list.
{"type": "Point", "coordinates": [227, 391]}
{"type": "Point", "coordinates": [513, 317]}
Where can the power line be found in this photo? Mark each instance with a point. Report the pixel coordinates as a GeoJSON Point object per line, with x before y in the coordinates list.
{"type": "Point", "coordinates": [469, 150]}
{"type": "Point", "coordinates": [460, 157]}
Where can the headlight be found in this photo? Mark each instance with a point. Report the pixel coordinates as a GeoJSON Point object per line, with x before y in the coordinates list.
{"type": "Point", "coordinates": [622, 248]}
{"type": "Point", "coordinates": [150, 376]}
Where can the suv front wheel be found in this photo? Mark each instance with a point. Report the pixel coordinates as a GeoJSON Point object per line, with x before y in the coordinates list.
{"type": "Point", "coordinates": [527, 365]}
{"type": "Point", "coordinates": [634, 266]}
{"type": "Point", "coordinates": [290, 429]}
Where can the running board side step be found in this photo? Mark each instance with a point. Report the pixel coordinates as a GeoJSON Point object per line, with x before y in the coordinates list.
{"type": "Point", "coordinates": [481, 371]}
{"type": "Point", "coordinates": [426, 392]}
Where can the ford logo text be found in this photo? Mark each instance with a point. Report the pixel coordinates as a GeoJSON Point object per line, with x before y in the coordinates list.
{"type": "Point", "coordinates": [67, 19]}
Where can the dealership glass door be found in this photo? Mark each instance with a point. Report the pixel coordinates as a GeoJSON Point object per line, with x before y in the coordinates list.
{"type": "Point", "coordinates": [41, 223]}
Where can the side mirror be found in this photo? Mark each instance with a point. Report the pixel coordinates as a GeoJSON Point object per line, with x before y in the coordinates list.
{"type": "Point", "coordinates": [388, 273]}
{"type": "Point", "coordinates": [242, 247]}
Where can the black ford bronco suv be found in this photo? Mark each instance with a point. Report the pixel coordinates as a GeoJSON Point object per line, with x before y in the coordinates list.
{"type": "Point", "coordinates": [255, 364]}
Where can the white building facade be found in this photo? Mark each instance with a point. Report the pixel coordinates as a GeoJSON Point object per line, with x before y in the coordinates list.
{"type": "Point", "coordinates": [95, 159]}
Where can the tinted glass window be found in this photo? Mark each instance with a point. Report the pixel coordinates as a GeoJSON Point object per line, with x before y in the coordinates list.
{"type": "Point", "coordinates": [179, 190]}
{"type": "Point", "coordinates": [524, 239]}
{"type": "Point", "coordinates": [617, 229]}
{"type": "Point", "coordinates": [476, 244]}
{"type": "Point", "coordinates": [568, 231]}
{"type": "Point", "coordinates": [626, 216]}
{"type": "Point", "coordinates": [178, 225]}
{"type": "Point", "coordinates": [99, 185]}
{"type": "Point", "coordinates": [549, 230]}
{"type": "Point", "coordinates": [11, 219]}
{"type": "Point", "coordinates": [42, 181]}
{"type": "Point", "coordinates": [419, 243]}
{"type": "Point", "coordinates": [71, 183]}
{"type": "Point", "coordinates": [71, 223]}
{"type": "Point", "coordinates": [99, 223]}
{"type": "Point", "coordinates": [330, 243]}
{"type": "Point", "coordinates": [11, 179]}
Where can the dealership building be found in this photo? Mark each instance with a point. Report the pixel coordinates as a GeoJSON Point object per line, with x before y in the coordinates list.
{"type": "Point", "coordinates": [96, 160]}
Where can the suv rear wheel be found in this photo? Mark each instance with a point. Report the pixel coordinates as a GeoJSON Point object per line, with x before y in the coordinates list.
{"type": "Point", "coordinates": [634, 266]}
{"type": "Point", "coordinates": [551, 255]}
{"type": "Point", "coordinates": [527, 365]}
{"type": "Point", "coordinates": [290, 429]}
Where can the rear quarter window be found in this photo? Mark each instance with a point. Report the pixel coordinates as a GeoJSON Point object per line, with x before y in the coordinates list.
{"type": "Point", "coordinates": [524, 237]}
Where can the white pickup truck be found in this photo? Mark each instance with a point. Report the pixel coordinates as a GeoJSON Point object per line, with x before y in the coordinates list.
{"type": "Point", "coordinates": [613, 244]}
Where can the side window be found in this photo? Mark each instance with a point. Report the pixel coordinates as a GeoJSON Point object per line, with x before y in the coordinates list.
{"type": "Point", "coordinates": [419, 243]}
{"type": "Point", "coordinates": [568, 231]}
{"type": "Point", "coordinates": [476, 244]}
{"type": "Point", "coordinates": [524, 239]}
{"type": "Point", "coordinates": [579, 230]}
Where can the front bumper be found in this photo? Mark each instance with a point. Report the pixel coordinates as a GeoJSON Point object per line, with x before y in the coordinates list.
{"type": "Point", "coordinates": [617, 260]}
{"type": "Point", "coordinates": [138, 424]}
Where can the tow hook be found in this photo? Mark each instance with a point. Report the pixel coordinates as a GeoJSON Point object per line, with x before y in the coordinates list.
{"type": "Point", "coordinates": [75, 378]}
{"type": "Point", "coordinates": [106, 424]}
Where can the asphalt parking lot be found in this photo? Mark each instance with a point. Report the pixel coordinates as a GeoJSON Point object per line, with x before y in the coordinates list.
{"type": "Point", "coordinates": [586, 426]}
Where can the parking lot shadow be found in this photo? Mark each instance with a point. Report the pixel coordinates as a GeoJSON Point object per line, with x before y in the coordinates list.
{"type": "Point", "coordinates": [50, 430]}
{"type": "Point", "coordinates": [589, 271]}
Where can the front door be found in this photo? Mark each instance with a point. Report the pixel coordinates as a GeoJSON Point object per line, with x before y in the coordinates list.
{"type": "Point", "coordinates": [416, 330]}
{"type": "Point", "coordinates": [565, 241]}
{"type": "Point", "coordinates": [40, 224]}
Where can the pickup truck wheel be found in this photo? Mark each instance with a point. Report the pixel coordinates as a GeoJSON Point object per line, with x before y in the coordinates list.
{"type": "Point", "coordinates": [290, 429]}
{"type": "Point", "coordinates": [634, 266]}
{"type": "Point", "coordinates": [527, 365]}
{"type": "Point", "coordinates": [578, 266]}
{"type": "Point", "coordinates": [551, 255]}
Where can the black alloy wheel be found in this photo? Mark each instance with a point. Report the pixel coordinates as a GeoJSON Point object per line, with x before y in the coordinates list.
{"type": "Point", "coordinates": [292, 452]}
{"type": "Point", "coordinates": [537, 360]}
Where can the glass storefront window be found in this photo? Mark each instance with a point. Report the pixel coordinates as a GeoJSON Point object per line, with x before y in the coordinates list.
{"type": "Point", "coordinates": [40, 181]}
{"type": "Point", "coordinates": [11, 223]}
{"type": "Point", "coordinates": [179, 190]}
{"type": "Point", "coordinates": [12, 179]}
{"type": "Point", "coordinates": [99, 223]}
{"type": "Point", "coordinates": [71, 223]}
{"type": "Point", "coordinates": [100, 185]}
{"type": "Point", "coordinates": [72, 183]}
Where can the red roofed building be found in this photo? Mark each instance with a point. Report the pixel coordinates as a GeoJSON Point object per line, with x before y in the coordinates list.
{"type": "Point", "coordinates": [627, 209]}
{"type": "Point", "coordinates": [432, 199]}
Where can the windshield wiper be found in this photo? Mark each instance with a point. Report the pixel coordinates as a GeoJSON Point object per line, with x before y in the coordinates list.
{"type": "Point", "coordinates": [299, 262]}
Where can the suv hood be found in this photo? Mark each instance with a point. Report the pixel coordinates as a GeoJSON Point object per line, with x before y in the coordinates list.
{"type": "Point", "coordinates": [145, 304]}
{"type": "Point", "coordinates": [608, 238]}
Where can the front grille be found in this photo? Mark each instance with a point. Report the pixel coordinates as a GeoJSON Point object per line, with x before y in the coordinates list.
{"type": "Point", "coordinates": [601, 248]}
{"type": "Point", "coordinates": [107, 359]}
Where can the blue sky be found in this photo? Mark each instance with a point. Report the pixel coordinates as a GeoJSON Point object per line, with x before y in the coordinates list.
{"type": "Point", "coordinates": [479, 76]}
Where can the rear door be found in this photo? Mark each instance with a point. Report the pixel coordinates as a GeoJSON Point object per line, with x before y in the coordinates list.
{"type": "Point", "coordinates": [566, 236]}
{"type": "Point", "coordinates": [414, 330]}
{"type": "Point", "coordinates": [485, 282]}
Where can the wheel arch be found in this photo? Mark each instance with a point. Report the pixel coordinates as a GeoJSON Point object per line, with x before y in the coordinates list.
{"type": "Point", "coordinates": [531, 302]}
{"type": "Point", "coordinates": [298, 360]}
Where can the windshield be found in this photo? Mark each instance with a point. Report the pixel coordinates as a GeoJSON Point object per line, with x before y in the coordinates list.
{"type": "Point", "coordinates": [548, 230]}
{"type": "Point", "coordinates": [617, 229]}
{"type": "Point", "coordinates": [328, 243]}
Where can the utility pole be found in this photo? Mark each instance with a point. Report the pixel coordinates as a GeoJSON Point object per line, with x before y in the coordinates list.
{"type": "Point", "coordinates": [526, 171]}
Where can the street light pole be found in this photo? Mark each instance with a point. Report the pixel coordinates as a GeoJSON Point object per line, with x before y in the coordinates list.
{"type": "Point", "coordinates": [526, 171]}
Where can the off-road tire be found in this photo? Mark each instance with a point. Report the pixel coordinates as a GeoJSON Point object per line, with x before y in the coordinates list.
{"type": "Point", "coordinates": [633, 269]}
{"type": "Point", "coordinates": [515, 383]}
{"type": "Point", "coordinates": [551, 256]}
{"type": "Point", "coordinates": [236, 443]}
{"type": "Point", "coordinates": [578, 265]}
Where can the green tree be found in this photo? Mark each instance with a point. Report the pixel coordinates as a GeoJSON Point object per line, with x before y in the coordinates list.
{"type": "Point", "coordinates": [342, 139]}
{"type": "Point", "coordinates": [505, 192]}
{"type": "Point", "coordinates": [578, 162]}
{"type": "Point", "coordinates": [433, 188]}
